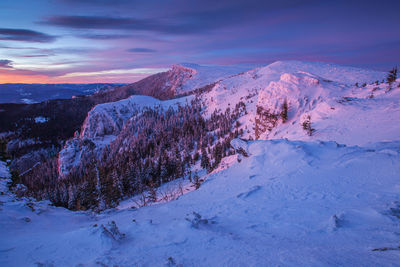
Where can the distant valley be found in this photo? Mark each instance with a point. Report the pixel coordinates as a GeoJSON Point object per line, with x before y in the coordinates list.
{"type": "Point", "coordinates": [21, 93]}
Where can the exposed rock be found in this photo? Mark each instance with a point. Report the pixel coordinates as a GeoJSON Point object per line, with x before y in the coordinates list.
{"type": "Point", "coordinates": [240, 146]}
{"type": "Point", "coordinates": [111, 230]}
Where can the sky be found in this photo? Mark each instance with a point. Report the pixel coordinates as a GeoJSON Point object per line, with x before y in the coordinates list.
{"type": "Point", "coordinates": [84, 41]}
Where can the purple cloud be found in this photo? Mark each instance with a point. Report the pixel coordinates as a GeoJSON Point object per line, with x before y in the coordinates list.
{"type": "Point", "coordinates": [141, 50]}
{"type": "Point", "coordinates": [5, 63]}
{"type": "Point", "coordinates": [25, 36]}
{"type": "Point", "coordinates": [104, 36]}
{"type": "Point", "coordinates": [97, 22]}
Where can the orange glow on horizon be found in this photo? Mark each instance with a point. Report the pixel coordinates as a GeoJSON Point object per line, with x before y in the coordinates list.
{"type": "Point", "coordinates": [20, 78]}
{"type": "Point", "coordinates": [15, 78]}
{"type": "Point", "coordinates": [105, 76]}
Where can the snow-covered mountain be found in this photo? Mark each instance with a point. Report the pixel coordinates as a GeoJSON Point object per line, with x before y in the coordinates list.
{"type": "Point", "coordinates": [105, 121]}
{"type": "Point", "coordinates": [192, 76]}
{"type": "Point", "coordinates": [326, 93]}
{"type": "Point", "coordinates": [323, 94]}
{"type": "Point", "coordinates": [181, 79]}
{"type": "Point", "coordinates": [319, 187]}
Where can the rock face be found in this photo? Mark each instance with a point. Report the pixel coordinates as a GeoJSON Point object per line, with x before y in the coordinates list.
{"type": "Point", "coordinates": [102, 125]}
{"type": "Point", "coordinates": [109, 118]}
{"type": "Point", "coordinates": [78, 149]}
{"type": "Point", "coordinates": [177, 77]}
{"type": "Point", "coordinates": [241, 148]}
{"type": "Point", "coordinates": [165, 85]}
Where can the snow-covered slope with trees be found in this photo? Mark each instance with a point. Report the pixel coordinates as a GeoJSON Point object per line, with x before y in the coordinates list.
{"type": "Point", "coordinates": [319, 187]}
{"type": "Point", "coordinates": [287, 204]}
{"type": "Point", "coordinates": [289, 99]}
{"type": "Point", "coordinates": [323, 94]}
{"type": "Point", "coordinates": [105, 121]}
{"type": "Point", "coordinates": [109, 118]}
{"type": "Point", "coordinates": [102, 125]}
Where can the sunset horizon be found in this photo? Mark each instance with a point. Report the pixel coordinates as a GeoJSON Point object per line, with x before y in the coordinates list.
{"type": "Point", "coordinates": [70, 41]}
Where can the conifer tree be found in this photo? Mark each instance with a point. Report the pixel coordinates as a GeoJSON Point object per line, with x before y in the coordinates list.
{"type": "Point", "coordinates": [205, 161]}
{"type": "Point", "coordinates": [196, 181]}
{"type": "Point", "coordinates": [392, 76]}
{"type": "Point", "coordinates": [284, 113]}
{"type": "Point", "coordinates": [307, 126]}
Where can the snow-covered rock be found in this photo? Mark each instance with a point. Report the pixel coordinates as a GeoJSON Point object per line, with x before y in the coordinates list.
{"type": "Point", "coordinates": [241, 147]}
{"type": "Point", "coordinates": [109, 118]}
{"type": "Point", "coordinates": [102, 125]}
{"type": "Point", "coordinates": [178, 75]}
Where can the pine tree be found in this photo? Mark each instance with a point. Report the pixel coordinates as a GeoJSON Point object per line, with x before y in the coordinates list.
{"type": "Point", "coordinates": [392, 76]}
{"type": "Point", "coordinates": [307, 126]}
{"type": "Point", "coordinates": [152, 192]}
{"type": "Point", "coordinates": [205, 161]}
{"type": "Point", "coordinates": [217, 155]}
{"type": "Point", "coordinates": [284, 113]}
{"type": "Point", "coordinates": [196, 181]}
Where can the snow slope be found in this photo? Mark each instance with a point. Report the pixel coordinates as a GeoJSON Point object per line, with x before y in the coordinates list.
{"type": "Point", "coordinates": [287, 204]}
{"type": "Point", "coordinates": [338, 110]}
{"type": "Point", "coordinates": [4, 177]}
{"type": "Point", "coordinates": [198, 76]}
{"type": "Point", "coordinates": [327, 71]}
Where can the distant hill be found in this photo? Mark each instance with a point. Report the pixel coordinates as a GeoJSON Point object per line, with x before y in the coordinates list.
{"type": "Point", "coordinates": [21, 93]}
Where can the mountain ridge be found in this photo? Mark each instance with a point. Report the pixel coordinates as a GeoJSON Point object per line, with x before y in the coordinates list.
{"type": "Point", "coordinates": [284, 100]}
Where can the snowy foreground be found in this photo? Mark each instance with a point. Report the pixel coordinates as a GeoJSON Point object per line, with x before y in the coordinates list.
{"type": "Point", "coordinates": [290, 203]}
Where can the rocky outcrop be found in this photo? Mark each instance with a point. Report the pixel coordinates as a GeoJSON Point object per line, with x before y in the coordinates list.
{"type": "Point", "coordinates": [102, 125]}
{"type": "Point", "coordinates": [109, 118]}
